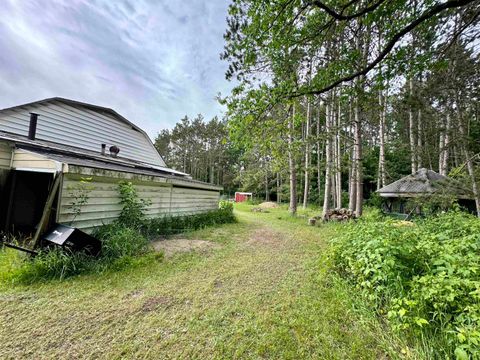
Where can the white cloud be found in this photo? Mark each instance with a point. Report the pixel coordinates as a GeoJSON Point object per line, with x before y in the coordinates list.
{"type": "Point", "coordinates": [152, 61]}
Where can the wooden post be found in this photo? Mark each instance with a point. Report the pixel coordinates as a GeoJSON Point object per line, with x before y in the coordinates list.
{"type": "Point", "coordinates": [41, 228]}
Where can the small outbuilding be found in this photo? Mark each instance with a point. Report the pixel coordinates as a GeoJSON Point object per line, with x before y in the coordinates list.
{"type": "Point", "coordinates": [242, 196]}
{"type": "Point", "coordinates": [399, 196]}
{"type": "Point", "coordinates": [61, 162]}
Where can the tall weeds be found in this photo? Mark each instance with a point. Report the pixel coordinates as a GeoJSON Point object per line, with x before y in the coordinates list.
{"type": "Point", "coordinates": [424, 276]}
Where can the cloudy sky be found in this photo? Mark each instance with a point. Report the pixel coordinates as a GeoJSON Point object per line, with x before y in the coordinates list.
{"type": "Point", "coordinates": [153, 61]}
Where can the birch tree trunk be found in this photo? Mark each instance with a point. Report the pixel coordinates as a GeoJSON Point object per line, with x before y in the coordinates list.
{"type": "Point", "coordinates": [291, 166]}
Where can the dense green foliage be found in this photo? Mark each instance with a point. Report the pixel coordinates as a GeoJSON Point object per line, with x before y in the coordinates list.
{"type": "Point", "coordinates": [425, 276]}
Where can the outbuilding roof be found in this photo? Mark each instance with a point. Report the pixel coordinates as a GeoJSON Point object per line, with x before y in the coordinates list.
{"type": "Point", "coordinates": [425, 182]}
{"type": "Point", "coordinates": [93, 107]}
{"type": "Point", "coordinates": [88, 159]}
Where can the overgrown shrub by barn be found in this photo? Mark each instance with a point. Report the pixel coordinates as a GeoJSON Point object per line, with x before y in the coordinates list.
{"type": "Point", "coordinates": [168, 225]}
{"type": "Point", "coordinates": [425, 276]}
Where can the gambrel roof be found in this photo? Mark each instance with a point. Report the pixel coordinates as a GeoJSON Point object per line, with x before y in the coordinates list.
{"type": "Point", "coordinates": [81, 125]}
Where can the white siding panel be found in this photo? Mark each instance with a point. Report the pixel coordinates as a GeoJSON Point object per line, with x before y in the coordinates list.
{"type": "Point", "coordinates": [104, 207]}
{"type": "Point", "coordinates": [5, 155]}
{"type": "Point", "coordinates": [23, 159]}
{"type": "Point", "coordinates": [81, 127]}
{"type": "Point", "coordinates": [191, 201]}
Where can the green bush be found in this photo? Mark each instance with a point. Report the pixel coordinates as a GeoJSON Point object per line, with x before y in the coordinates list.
{"type": "Point", "coordinates": [133, 208]}
{"type": "Point", "coordinates": [168, 225]}
{"type": "Point", "coordinates": [226, 205]}
{"type": "Point", "coordinates": [424, 276]}
{"type": "Point", "coordinates": [118, 241]}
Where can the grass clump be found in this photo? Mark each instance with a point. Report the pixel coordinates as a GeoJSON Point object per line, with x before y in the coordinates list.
{"type": "Point", "coordinates": [120, 241]}
{"type": "Point", "coordinates": [425, 277]}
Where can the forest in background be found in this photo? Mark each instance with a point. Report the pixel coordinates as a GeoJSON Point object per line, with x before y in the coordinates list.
{"type": "Point", "coordinates": [335, 100]}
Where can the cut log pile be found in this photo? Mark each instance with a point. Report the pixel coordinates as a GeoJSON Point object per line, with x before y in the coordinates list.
{"type": "Point", "coordinates": [339, 215]}
{"type": "Point", "coordinates": [334, 215]}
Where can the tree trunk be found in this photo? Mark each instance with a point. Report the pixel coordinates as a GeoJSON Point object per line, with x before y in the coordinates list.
{"type": "Point", "coordinates": [446, 151]}
{"type": "Point", "coordinates": [419, 140]}
{"type": "Point", "coordinates": [411, 128]}
{"type": "Point", "coordinates": [441, 147]}
{"type": "Point", "coordinates": [291, 166]}
{"type": "Point", "coordinates": [319, 156]}
{"type": "Point", "coordinates": [352, 191]}
{"type": "Point", "coordinates": [279, 195]}
{"type": "Point", "coordinates": [381, 182]}
{"type": "Point", "coordinates": [358, 161]}
{"type": "Point", "coordinates": [328, 167]}
{"type": "Point", "coordinates": [267, 195]}
{"type": "Point", "coordinates": [307, 157]}
{"type": "Point", "coordinates": [471, 173]}
{"type": "Point", "coordinates": [469, 160]}
{"type": "Point", "coordinates": [338, 159]}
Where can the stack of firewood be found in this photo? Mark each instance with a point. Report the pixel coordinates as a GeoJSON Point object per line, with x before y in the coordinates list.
{"type": "Point", "coordinates": [339, 215]}
{"type": "Point", "coordinates": [333, 215]}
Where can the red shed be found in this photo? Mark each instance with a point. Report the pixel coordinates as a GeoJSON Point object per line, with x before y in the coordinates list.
{"type": "Point", "coordinates": [242, 196]}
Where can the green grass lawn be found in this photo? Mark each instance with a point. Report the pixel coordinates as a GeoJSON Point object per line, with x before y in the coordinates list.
{"type": "Point", "coordinates": [267, 292]}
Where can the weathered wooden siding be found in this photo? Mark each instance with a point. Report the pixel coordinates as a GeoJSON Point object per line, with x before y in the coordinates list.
{"type": "Point", "coordinates": [81, 127]}
{"type": "Point", "coordinates": [5, 155]}
{"type": "Point", "coordinates": [23, 159]}
{"type": "Point", "coordinates": [104, 202]}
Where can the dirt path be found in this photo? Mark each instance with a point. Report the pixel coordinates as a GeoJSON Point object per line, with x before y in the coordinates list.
{"type": "Point", "coordinates": [173, 246]}
{"type": "Point", "coordinates": [258, 293]}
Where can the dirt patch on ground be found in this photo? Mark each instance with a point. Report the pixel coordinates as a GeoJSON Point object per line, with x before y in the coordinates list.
{"type": "Point", "coordinates": [264, 236]}
{"type": "Point", "coordinates": [174, 246]}
{"type": "Point", "coordinates": [268, 205]}
{"type": "Point", "coordinates": [157, 302]}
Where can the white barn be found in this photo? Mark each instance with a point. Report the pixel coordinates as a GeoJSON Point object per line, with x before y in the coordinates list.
{"type": "Point", "coordinates": [47, 147]}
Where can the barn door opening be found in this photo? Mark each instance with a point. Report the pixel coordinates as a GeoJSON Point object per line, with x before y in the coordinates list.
{"type": "Point", "coordinates": [28, 193]}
